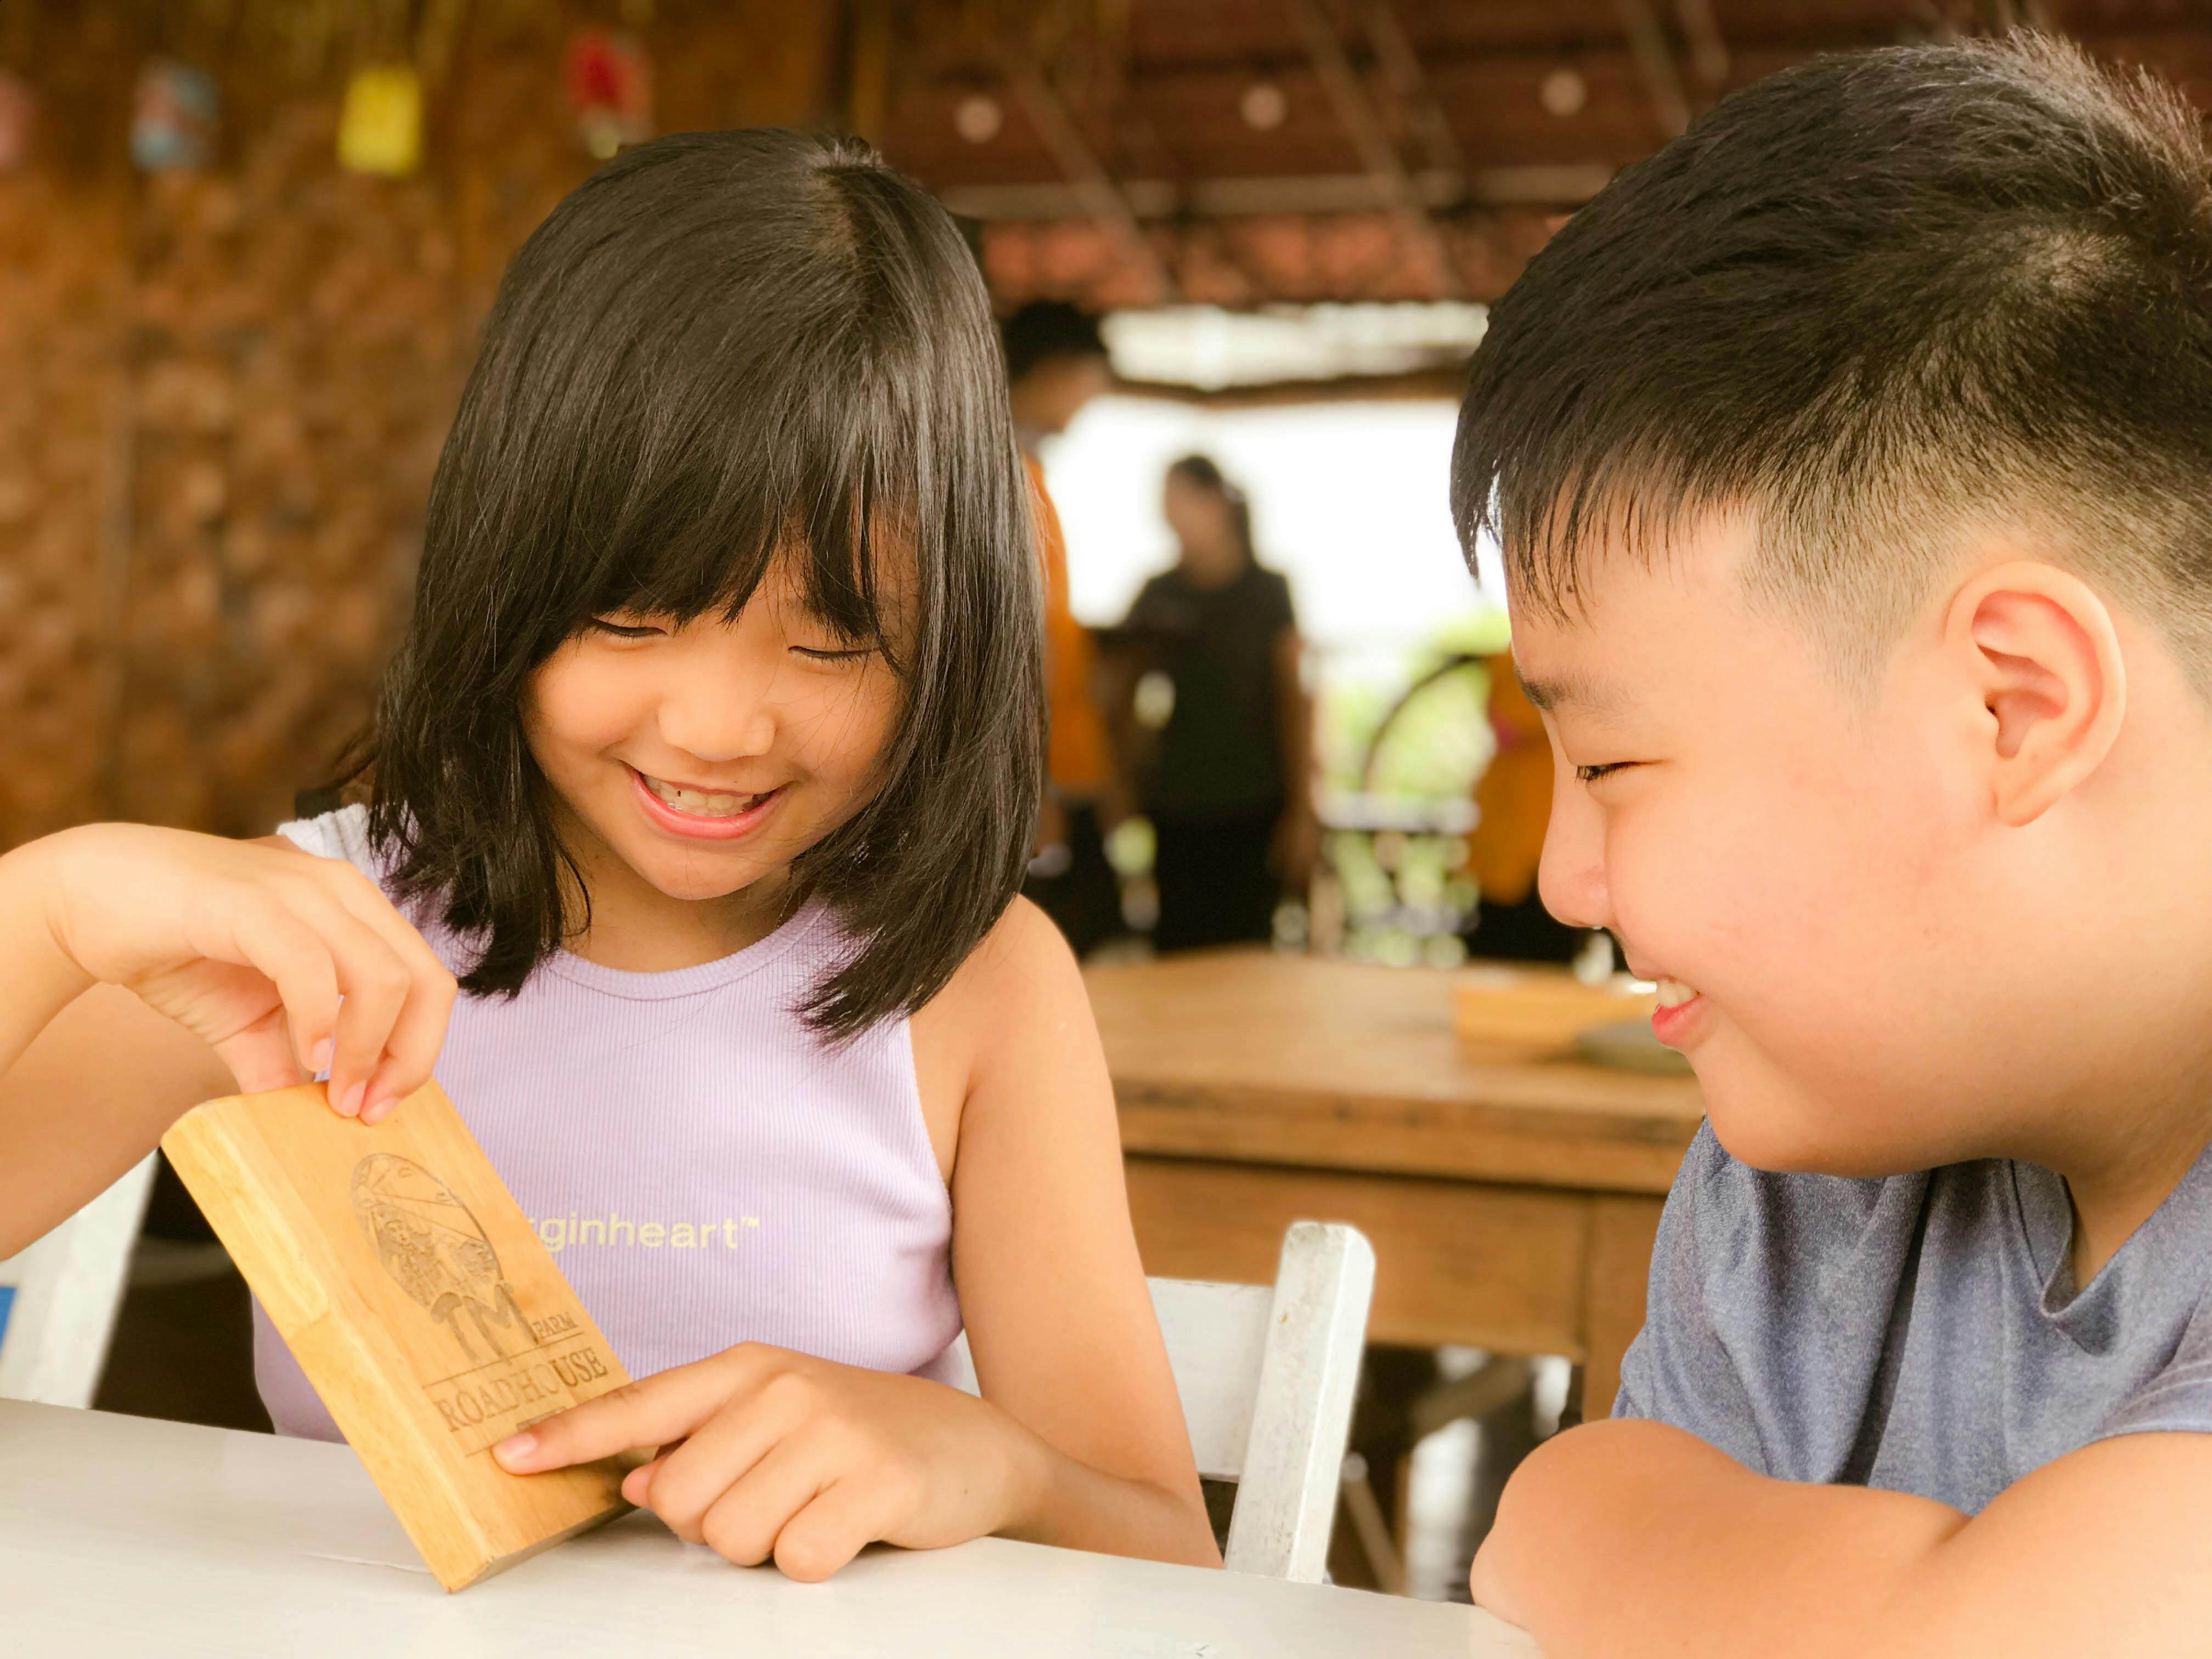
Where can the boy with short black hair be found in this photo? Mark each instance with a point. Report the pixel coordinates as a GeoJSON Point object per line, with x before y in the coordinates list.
{"type": "Point", "coordinates": [1852, 463]}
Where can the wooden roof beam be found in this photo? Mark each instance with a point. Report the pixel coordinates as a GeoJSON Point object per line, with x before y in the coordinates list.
{"type": "Point", "coordinates": [1563, 185]}
{"type": "Point", "coordinates": [1708, 51]}
{"type": "Point", "coordinates": [1408, 83]}
{"type": "Point", "coordinates": [1655, 63]}
{"type": "Point", "coordinates": [1356, 113]}
{"type": "Point", "coordinates": [1086, 174]}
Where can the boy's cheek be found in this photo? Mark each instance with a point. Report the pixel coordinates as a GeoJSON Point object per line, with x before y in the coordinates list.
{"type": "Point", "coordinates": [1829, 1096]}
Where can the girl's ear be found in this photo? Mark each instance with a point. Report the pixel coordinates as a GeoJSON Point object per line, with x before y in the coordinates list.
{"type": "Point", "coordinates": [2042, 653]}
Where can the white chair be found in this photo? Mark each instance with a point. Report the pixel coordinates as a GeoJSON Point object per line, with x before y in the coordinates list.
{"type": "Point", "coordinates": [60, 1297]}
{"type": "Point", "coordinates": [1266, 1378]}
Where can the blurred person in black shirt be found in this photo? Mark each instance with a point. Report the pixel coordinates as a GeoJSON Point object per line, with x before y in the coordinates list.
{"type": "Point", "coordinates": [1227, 783]}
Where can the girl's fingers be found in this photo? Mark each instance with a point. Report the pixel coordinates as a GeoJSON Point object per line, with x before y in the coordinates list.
{"type": "Point", "coordinates": [418, 1033]}
{"type": "Point", "coordinates": [743, 1521]}
{"type": "Point", "coordinates": [650, 1412]}
{"type": "Point", "coordinates": [261, 1056]}
{"type": "Point", "coordinates": [281, 948]}
{"type": "Point", "coordinates": [375, 983]}
{"type": "Point", "coordinates": [637, 1484]}
{"type": "Point", "coordinates": [725, 1453]}
{"type": "Point", "coordinates": [844, 1519]}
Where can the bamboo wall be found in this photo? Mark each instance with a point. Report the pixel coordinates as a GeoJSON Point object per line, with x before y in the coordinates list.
{"type": "Point", "coordinates": [222, 393]}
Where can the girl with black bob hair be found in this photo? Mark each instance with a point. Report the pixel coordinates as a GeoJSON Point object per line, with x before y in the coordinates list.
{"type": "Point", "coordinates": [696, 807]}
{"type": "Point", "coordinates": [725, 349]}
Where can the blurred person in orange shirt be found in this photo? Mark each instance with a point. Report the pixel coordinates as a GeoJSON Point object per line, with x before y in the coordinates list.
{"type": "Point", "coordinates": [1055, 364]}
{"type": "Point", "coordinates": [1513, 802]}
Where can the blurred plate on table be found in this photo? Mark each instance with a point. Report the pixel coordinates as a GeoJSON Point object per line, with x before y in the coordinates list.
{"type": "Point", "coordinates": [1627, 1045]}
{"type": "Point", "coordinates": [1536, 1012]}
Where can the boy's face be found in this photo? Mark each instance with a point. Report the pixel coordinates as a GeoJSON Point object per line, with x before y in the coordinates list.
{"type": "Point", "coordinates": [1813, 863]}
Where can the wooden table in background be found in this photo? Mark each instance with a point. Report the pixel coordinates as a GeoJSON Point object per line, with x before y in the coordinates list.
{"type": "Point", "coordinates": [1512, 1205]}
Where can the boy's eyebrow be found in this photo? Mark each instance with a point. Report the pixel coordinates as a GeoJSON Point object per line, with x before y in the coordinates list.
{"type": "Point", "coordinates": [1580, 689]}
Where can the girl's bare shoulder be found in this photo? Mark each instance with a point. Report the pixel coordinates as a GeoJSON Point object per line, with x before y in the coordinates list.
{"type": "Point", "coordinates": [1011, 1015]}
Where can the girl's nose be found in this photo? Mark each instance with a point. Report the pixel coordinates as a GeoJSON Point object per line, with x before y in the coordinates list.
{"type": "Point", "coordinates": [719, 721]}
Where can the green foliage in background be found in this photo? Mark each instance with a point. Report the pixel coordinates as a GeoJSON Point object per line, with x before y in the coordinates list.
{"type": "Point", "coordinates": [1405, 898]}
{"type": "Point", "coordinates": [1440, 743]}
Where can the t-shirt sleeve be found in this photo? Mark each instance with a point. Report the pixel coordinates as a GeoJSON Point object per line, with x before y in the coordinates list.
{"type": "Point", "coordinates": [2179, 1399]}
{"type": "Point", "coordinates": [1678, 1370]}
{"type": "Point", "coordinates": [1275, 602]}
{"type": "Point", "coordinates": [311, 835]}
{"type": "Point", "coordinates": [340, 834]}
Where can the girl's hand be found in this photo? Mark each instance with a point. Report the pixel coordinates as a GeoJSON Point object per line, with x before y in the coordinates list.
{"type": "Point", "coordinates": [784, 1455]}
{"type": "Point", "coordinates": [285, 963]}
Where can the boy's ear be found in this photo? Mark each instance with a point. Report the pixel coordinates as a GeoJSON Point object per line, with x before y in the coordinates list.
{"type": "Point", "coordinates": [2046, 660]}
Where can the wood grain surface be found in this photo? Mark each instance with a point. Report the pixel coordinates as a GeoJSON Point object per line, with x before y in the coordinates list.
{"type": "Point", "coordinates": [1254, 1055]}
{"type": "Point", "coordinates": [420, 1303]}
{"type": "Point", "coordinates": [1511, 1197]}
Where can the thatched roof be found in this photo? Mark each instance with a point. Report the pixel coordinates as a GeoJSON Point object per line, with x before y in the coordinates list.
{"type": "Point", "coordinates": [1246, 151]}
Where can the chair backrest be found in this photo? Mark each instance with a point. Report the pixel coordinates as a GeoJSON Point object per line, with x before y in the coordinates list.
{"type": "Point", "coordinates": [60, 1297]}
{"type": "Point", "coordinates": [1266, 1378]}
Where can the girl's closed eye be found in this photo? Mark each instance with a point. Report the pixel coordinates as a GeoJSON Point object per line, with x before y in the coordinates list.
{"type": "Point", "coordinates": [834, 652]}
{"type": "Point", "coordinates": [615, 628]}
{"type": "Point", "coordinates": [1592, 773]}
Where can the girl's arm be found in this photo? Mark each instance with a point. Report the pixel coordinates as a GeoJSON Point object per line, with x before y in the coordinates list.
{"type": "Point", "coordinates": [1059, 1318]}
{"type": "Point", "coordinates": [150, 970]}
{"type": "Point", "coordinates": [1078, 1440]}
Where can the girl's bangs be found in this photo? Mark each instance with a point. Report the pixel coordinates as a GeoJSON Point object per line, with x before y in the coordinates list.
{"type": "Point", "coordinates": [694, 520]}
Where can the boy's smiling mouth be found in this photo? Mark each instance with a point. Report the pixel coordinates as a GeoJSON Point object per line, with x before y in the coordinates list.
{"type": "Point", "coordinates": [1678, 1006]}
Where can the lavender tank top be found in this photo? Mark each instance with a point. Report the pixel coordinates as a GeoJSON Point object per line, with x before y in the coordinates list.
{"type": "Point", "coordinates": [703, 1170]}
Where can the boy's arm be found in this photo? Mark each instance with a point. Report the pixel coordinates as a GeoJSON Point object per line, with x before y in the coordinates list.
{"type": "Point", "coordinates": [1626, 1539]}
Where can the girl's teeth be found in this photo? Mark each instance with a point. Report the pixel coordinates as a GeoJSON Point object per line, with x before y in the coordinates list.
{"type": "Point", "coordinates": [1673, 993]}
{"type": "Point", "coordinates": [699, 803]}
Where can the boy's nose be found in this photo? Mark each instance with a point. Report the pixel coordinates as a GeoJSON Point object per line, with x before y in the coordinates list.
{"type": "Point", "coordinates": [1571, 878]}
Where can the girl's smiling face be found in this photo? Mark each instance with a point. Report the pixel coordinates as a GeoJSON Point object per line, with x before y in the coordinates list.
{"type": "Point", "coordinates": [695, 760]}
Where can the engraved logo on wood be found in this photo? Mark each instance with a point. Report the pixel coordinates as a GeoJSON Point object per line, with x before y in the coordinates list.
{"type": "Point", "coordinates": [427, 1240]}
{"type": "Point", "coordinates": [436, 1251]}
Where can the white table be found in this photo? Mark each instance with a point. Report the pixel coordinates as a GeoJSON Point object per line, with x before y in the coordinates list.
{"type": "Point", "coordinates": [120, 1535]}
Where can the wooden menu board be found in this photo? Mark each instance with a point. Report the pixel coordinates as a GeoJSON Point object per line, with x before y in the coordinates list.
{"type": "Point", "coordinates": [420, 1303]}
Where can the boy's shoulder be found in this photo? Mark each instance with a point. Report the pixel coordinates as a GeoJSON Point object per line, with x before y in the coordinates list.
{"type": "Point", "coordinates": [1920, 1332]}
{"type": "Point", "coordinates": [1767, 1225]}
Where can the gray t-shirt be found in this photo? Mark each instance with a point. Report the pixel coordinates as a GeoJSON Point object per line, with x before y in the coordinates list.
{"type": "Point", "coordinates": [1921, 1333]}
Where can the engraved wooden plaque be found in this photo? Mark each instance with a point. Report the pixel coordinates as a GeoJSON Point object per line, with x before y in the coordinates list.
{"type": "Point", "coordinates": [419, 1302]}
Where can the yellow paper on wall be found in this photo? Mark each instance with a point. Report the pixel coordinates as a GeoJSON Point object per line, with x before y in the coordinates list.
{"type": "Point", "coordinates": [380, 129]}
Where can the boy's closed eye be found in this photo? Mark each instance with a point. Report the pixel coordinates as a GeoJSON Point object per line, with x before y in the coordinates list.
{"type": "Point", "coordinates": [1592, 773]}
